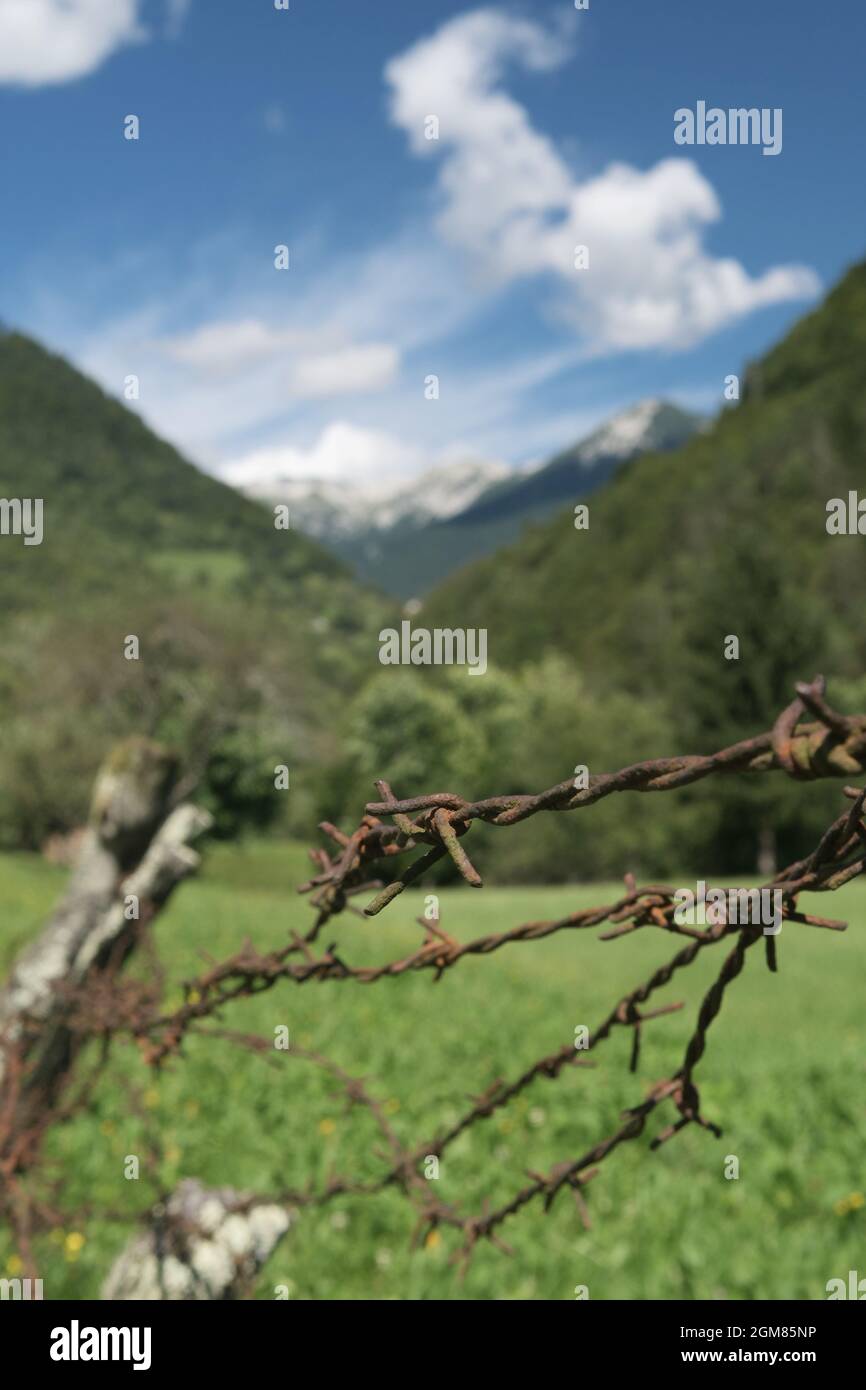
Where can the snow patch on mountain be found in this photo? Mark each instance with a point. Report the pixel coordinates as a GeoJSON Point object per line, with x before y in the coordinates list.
{"type": "Point", "coordinates": [347, 506]}
{"type": "Point", "coordinates": [357, 482]}
{"type": "Point", "coordinates": [628, 433]}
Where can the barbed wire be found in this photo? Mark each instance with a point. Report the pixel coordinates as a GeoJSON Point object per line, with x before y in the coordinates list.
{"type": "Point", "coordinates": [832, 746]}
{"type": "Point", "coordinates": [836, 746]}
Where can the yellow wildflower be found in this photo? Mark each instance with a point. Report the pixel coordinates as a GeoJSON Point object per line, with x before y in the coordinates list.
{"type": "Point", "coordinates": [73, 1245]}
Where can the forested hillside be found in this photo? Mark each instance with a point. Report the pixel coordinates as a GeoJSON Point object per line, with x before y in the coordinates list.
{"type": "Point", "coordinates": [249, 636]}
{"type": "Point", "coordinates": [714, 539]}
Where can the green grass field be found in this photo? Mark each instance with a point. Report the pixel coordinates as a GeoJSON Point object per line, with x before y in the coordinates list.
{"type": "Point", "coordinates": [784, 1075]}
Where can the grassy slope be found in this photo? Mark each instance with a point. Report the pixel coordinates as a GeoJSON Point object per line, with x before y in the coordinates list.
{"type": "Point", "coordinates": [62, 436]}
{"type": "Point", "coordinates": [783, 1074]}
{"type": "Point", "coordinates": [125, 512]}
{"type": "Point", "coordinates": [137, 540]}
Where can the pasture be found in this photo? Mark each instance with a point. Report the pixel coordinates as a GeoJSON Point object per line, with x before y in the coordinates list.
{"type": "Point", "coordinates": [784, 1075]}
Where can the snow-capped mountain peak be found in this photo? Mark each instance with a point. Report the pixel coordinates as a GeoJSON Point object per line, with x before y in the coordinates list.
{"type": "Point", "coordinates": [347, 506]}
{"type": "Point", "coordinates": [629, 432]}
{"type": "Point", "coordinates": [443, 491]}
{"type": "Point", "coordinates": [356, 483]}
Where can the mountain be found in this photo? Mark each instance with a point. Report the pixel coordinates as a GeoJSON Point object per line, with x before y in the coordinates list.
{"type": "Point", "coordinates": [724, 537]}
{"type": "Point", "coordinates": [407, 537]}
{"type": "Point", "coordinates": [647, 427]}
{"type": "Point", "coordinates": [248, 638]}
{"type": "Point", "coordinates": [345, 509]}
{"type": "Point", "coordinates": [110, 486]}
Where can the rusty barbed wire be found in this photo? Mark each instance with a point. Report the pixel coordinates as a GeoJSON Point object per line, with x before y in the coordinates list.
{"type": "Point", "coordinates": [830, 748]}
{"type": "Point", "coordinates": [826, 868]}
{"type": "Point", "coordinates": [833, 746]}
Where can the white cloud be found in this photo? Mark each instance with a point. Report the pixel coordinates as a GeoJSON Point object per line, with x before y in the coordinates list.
{"type": "Point", "coordinates": [244, 378]}
{"type": "Point", "coordinates": [510, 200]}
{"type": "Point", "coordinates": [342, 450]}
{"type": "Point", "coordinates": [272, 388]}
{"type": "Point", "coordinates": [47, 41]}
{"type": "Point", "coordinates": [312, 366]}
{"type": "Point", "coordinates": [499, 174]}
{"type": "Point", "coordinates": [227, 345]}
{"type": "Point", "coordinates": [234, 385]}
{"type": "Point", "coordinates": [366, 367]}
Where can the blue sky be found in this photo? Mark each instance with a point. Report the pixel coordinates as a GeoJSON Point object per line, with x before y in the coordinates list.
{"type": "Point", "coordinates": [410, 256]}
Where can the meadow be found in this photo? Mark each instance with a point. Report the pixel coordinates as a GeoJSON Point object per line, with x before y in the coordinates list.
{"type": "Point", "coordinates": [784, 1075]}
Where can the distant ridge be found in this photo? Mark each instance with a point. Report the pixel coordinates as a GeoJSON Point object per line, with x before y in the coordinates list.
{"type": "Point", "coordinates": [648, 426]}
{"type": "Point", "coordinates": [407, 537]}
